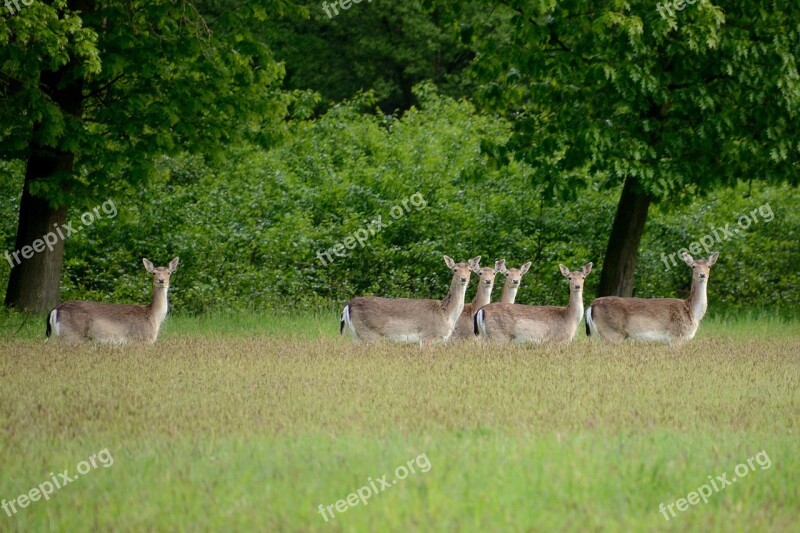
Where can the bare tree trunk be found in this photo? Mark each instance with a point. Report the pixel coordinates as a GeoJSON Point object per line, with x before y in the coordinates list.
{"type": "Point", "coordinates": [35, 280]}
{"type": "Point", "coordinates": [616, 278]}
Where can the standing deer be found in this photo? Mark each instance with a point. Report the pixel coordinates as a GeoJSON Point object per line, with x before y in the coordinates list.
{"type": "Point", "coordinates": [371, 318]}
{"type": "Point", "coordinates": [486, 275]}
{"type": "Point", "coordinates": [527, 323]}
{"type": "Point", "coordinates": [513, 280]}
{"type": "Point", "coordinates": [114, 323]}
{"type": "Point", "coordinates": [669, 320]}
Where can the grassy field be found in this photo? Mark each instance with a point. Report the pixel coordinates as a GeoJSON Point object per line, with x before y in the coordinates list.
{"type": "Point", "coordinates": [249, 423]}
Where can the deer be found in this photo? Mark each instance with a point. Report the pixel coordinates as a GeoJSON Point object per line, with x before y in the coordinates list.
{"type": "Point", "coordinates": [513, 280]}
{"type": "Point", "coordinates": [371, 318]}
{"type": "Point", "coordinates": [535, 324]}
{"type": "Point", "coordinates": [665, 320]}
{"type": "Point", "coordinates": [486, 275]}
{"type": "Point", "coordinates": [114, 323]}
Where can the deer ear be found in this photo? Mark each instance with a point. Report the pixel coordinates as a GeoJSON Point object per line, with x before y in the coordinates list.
{"type": "Point", "coordinates": [475, 263]}
{"type": "Point", "coordinates": [524, 268]}
{"type": "Point", "coordinates": [173, 265]}
{"type": "Point", "coordinates": [449, 262]}
{"type": "Point", "coordinates": [586, 269]}
{"type": "Point", "coordinates": [500, 266]}
{"type": "Point", "coordinates": [148, 265]}
{"type": "Point", "coordinates": [564, 270]}
{"type": "Point", "coordinates": [688, 259]}
{"type": "Point", "coordinates": [713, 258]}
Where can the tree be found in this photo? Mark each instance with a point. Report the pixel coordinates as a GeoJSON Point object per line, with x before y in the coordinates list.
{"type": "Point", "coordinates": [387, 48]}
{"type": "Point", "coordinates": [91, 93]}
{"type": "Point", "coordinates": [665, 107]}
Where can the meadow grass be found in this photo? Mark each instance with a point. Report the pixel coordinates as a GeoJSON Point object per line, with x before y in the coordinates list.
{"type": "Point", "coordinates": [249, 422]}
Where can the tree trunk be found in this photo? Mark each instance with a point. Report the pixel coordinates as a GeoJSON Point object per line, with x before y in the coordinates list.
{"type": "Point", "coordinates": [619, 264]}
{"type": "Point", "coordinates": [35, 280]}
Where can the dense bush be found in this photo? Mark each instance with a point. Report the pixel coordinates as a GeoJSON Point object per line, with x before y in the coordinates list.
{"type": "Point", "coordinates": [251, 231]}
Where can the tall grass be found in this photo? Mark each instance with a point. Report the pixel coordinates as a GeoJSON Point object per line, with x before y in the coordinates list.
{"type": "Point", "coordinates": [251, 422]}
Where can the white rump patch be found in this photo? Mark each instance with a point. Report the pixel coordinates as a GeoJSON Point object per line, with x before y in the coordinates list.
{"type": "Point", "coordinates": [590, 322]}
{"type": "Point", "coordinates": [411, 337]}
{"type": "Point", "coordinates": [481, 324]}
{"type": "Point", "coordinates": [651, 336]}
{"type": "Point", "coordinates": [348, 324]}
{"type": "Point", "coordinates": [55, 327]}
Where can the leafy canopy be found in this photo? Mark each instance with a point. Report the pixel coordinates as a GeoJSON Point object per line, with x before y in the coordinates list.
{"type": "Point", "coordinates": [154, 77]}
{"type": "Point", "coordinates": [605, 90]}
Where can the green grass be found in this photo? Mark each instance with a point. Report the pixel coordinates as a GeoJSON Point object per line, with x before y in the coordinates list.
{"type": "Point", "coordinates": [250, 422]}
{"type": "Point", "coordinates": [325, 323]}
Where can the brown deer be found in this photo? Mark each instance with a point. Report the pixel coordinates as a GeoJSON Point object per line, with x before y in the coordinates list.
{"type": "Point", "coordinates": [513, 281]}
{"type": "Point", "coordinates": [371, 318]}
{"type": "Point", "coordinates": [486, 275]}
{"type": "Point", "coordinates": [114, 323]}
{"type": "Point", "coordinates": [668, 320]}
{"type": "Point", "coordinates": [527, 323]}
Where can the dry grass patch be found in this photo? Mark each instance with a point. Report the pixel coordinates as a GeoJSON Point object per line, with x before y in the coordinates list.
{"type": "Point", "coordinates": [254, 431]}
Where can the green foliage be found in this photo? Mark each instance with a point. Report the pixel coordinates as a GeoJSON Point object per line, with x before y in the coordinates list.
{"type": "Point", "coordinates": [180, 104]}
{"type": "Point", "coordinates": [248, 230]}
{"type": "Point", "coordinates": [10, 187]}
{"type": "Point", "coordinates": [603, 91]}
{"type": "Point", "coordinates": [758, 263]}
{"type": "Point", "coordinates": [153, 78]}
{"type": "Point", "coordinates": [41, 37]}
{"type": "Point", "coordinates": [386, 47]}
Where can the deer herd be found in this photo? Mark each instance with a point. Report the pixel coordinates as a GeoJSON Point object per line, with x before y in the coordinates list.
{"type": "Point", "coordinates": [614, 319]}
{"type": "Point", "coordinates": [372, 318]}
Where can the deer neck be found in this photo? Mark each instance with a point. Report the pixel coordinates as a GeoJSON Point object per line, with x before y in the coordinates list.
{"type": "Point", "coordinates": [698, 300]}
{"type": "Point", "coordinates": [453, 304]}
{"type": "Point", "coordinates": [483, 296]}
{"type": "Point", "coordinates": [575, 307]}
{"type": "Point", "coordinates": [509, 293]}
{"type": "Point", "coordinates": [159, 305]}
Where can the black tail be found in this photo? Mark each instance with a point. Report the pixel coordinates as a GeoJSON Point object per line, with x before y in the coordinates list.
{"type": "Point", "coordinates": [47, 324]}
{"type": "Point", "coordinates": [588, 329]}
{"type": "Point", "coordinates": [475, 329]}
{"type": "Point", "coordinates": [341, 321]}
